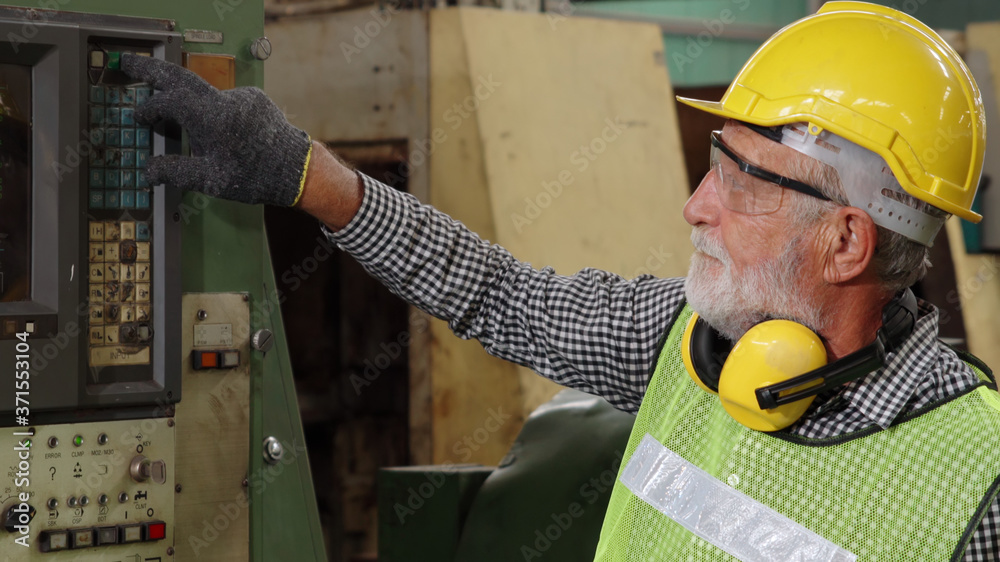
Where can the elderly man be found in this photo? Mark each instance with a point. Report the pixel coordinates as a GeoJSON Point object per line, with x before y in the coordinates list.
{"type": "Point", "coordinates": [829, 181]}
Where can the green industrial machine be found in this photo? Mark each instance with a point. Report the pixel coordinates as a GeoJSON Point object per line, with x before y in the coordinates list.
{"type": "Point", "coordinates": [148, 408]}
{"type": "Point", "coordinates": [545, 501]}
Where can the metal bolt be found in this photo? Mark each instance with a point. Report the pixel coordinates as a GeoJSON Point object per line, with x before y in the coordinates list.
{"type": "Point", "coordinates": [202, 314]}
{"type": "Point", "coordinates": [245, 482]}
{"type": "Point", "coordinates": [170, 422]}
{"type": "Point", "coordinates": [273, 451]}
{"type": "Point", "coordinates": [170, 551]}
{"type": "Point", "coordinates": [177, 488]}
{"type": "Point", "coordinates": [261, 48]}
{"type": "Point", "coordinates": [262, 340]}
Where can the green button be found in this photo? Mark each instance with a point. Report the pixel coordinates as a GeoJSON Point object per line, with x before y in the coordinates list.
{"type": "Point", "coordinates": [114, 60]}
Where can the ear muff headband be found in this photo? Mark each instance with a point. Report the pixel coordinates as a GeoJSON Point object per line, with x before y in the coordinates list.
{"type": "Point", "coordinates": [706, 355]}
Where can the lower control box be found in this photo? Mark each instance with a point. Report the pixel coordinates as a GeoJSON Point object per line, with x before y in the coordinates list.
{"type": "Point", "coordinates": [101, 491]}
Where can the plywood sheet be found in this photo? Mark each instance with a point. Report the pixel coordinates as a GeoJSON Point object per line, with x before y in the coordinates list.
{"type": "Point", "coordinates": [563, 147]}
{"type": "Point", "coordinates": [977, 279]}
{"type": "Point", "coordinates": [580, 140]}
{"type": "Point", "coordinates": [467, 384]}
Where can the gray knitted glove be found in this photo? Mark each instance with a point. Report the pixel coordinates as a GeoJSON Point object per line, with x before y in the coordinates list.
{"type": "Point", "coordinates": [242, 146]}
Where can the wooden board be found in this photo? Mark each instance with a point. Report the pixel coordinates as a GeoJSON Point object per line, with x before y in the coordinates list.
{"type": "Point", "coordinates": [976, 276]}
{"type": "Point", "coordinates": [466, 383]}
{"type": "Point", "coordinates": [588, 102]}
{"type": "Point", "coordinates": [977, 279]}
{"type": "Point", "coordinates": [528, 100]}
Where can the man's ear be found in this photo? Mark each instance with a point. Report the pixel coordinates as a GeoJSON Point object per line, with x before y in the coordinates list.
{"type": "Point", "coordinates": [851, 237]}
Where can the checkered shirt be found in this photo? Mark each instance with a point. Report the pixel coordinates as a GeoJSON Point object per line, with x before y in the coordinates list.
{"type": "Point", "coordinates": [600, 333]}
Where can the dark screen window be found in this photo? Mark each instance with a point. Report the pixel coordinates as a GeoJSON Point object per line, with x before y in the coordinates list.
{"type": "Point", "coordinates": [15, 183]}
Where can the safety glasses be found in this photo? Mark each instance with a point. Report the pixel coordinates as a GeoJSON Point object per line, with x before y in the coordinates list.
{"type": "Point", "coordinates": [748, 189]}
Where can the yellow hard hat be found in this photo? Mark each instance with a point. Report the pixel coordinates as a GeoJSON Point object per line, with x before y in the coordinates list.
{"type": "Point", "coordinates": [881, 79]}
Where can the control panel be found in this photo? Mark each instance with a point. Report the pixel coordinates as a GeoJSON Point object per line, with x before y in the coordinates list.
{"type": "Point", "coordinates": [89, 307]}
{"type": "Point", "coordinates": [120, 211]}
{"type": "Point", "coordinates": [89, 491]}
{"type": "Point", "coordinates": [103, 457]}
{"type": "Point", "coordinates": [88, 243]}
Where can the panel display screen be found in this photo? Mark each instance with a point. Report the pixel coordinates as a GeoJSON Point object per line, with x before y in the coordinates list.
{"type": "Point", "coordinates": [15, 183]}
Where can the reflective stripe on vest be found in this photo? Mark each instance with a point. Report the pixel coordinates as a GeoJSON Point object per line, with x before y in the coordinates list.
{"type": "Point", "coordinates": [718, 513]}
{"type": "Point", "coordinates": [915, 491]}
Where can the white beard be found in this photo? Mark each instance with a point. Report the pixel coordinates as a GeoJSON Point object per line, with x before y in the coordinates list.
{"type": "Point", "coordinates": [764, 291]}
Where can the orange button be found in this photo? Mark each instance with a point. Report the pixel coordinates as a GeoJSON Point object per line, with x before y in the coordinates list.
{"type": "Point", "coordinates": [205, 359]}
{"type": "Point", "coordinates": [209, 359]}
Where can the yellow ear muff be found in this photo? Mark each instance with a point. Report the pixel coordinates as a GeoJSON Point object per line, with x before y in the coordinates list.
{"type": "Point", "coordinates": [689, 362]}
{"type": "Point", "coordinates": [769, 353]}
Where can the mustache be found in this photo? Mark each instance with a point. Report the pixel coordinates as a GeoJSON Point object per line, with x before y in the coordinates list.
{"type": "Point", "coordinates": [707, 245]}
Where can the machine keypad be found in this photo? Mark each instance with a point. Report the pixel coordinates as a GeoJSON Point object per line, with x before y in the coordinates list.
{"type": "Point", "coordinates": [119, 276]}
{"type": "Point", "coordinates": [120, 228]}
{"type": "Point", "coordinates": [121, 149]}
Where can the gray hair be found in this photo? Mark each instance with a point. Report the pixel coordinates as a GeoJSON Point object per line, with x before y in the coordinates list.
{"type": "Point", "coordinates": [899, 262]}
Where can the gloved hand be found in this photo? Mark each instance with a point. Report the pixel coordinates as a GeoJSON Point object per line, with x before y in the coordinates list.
{"type": "Point", "coordinates": [242, 146]}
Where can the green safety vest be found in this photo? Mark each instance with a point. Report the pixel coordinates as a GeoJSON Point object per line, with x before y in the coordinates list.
{"type": "Point", "coordinates": [915, 491]}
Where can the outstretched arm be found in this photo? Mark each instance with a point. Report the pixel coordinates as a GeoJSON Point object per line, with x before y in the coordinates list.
{"type": "Point", "coordinates": [593, 330]}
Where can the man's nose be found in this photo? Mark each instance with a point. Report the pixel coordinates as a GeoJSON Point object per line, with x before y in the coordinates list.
{"type": "Point", "coordinates": [703, 206]}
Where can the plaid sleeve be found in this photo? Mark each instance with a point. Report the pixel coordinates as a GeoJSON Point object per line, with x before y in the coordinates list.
{"type": "Point", "coordinates": [594, 331]}
{"type": "Point", "coordinates": [983, 547]}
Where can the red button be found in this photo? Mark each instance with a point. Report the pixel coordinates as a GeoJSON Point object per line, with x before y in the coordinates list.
{"type": "Point", "coordinates": [205, 359]}
{"type": "Point", "coordinates": [156, 531]}
{"type": "Point", "coordinates": [209, 360]}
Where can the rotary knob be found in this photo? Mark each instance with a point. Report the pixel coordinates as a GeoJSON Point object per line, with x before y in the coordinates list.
{"type": "Point", "coordinates": [17, 515]}
{"type": "Point", "coordinates": [262, 340]}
